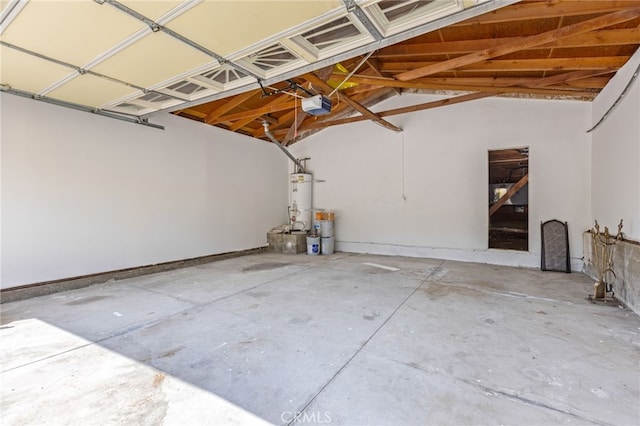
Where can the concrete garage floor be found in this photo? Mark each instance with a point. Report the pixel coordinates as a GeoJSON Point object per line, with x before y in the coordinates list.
{"type": "Point", "coordinates": [260, 338]}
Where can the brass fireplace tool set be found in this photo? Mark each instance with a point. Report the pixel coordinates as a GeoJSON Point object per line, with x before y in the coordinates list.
{"type": "Point", "coordinates": [602, 248]}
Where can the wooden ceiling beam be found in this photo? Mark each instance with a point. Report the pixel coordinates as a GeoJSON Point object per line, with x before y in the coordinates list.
{"type": "Point", "coordinates": [259, 132]}
{"type": "Point", "coordinates": [343, 109]}
{"type": "Point", "coordinates": [523, 43]}
{"type": "Point", "coordinates": [569, 76]}
{"type": "Point", "coordinates": [292, 132]}
{"type": "Point", "coordinates": [413, 108]}
{"type": "Point", "coordinates": [284, 122]}
{"type": "Point", "coordinates": [359, 89]}
{"type": "Point", "coordinates": [194, 113]}
{"type": "Point", "coordinates": [244, 121]}
{"type": "Point", "coordinates": [374, 66]}
{"type": "Point", "coordinates": [268, 119]}
{"type": "Point", "coordinates": [352, 103]}
{"type": "Point", "coordinates": [591, 39]}
{"type": "Point", "coordinates": [287, 119]}
{"type": "Point", "coordinates": [482, 82]}
{"type": "Point", "coordinates": [507, 65]}
{"type": "Point", "coordinates": [548, 9]}
{"type": "Point", "coordinates": [230, 104]}
{"type": "Point", "coordinates": [189, 116]}
{"type": "Point", "coordinates": [241, 123]}
{"type": "Point", "coordinates": [502, 76]}
{"type": "Point", "coordinates": [510, 193]}
{"type": "Point", "coordinates": [522, 85]}
{"type": "Point", "coordinates": [616, 37]}
{"type": "Point", "coordinates": [252, 113]}
{"type": "Point", "coordinates": [517, 161]}
{"type": "Point", "coordinates": [296, 118]}
{"type": "Point", "coordinates": [550, 91]}
{"type": "Point", "coordinates": [589, 83]}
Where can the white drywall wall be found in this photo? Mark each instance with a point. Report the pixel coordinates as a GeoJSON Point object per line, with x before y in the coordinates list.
{"type": "Point", "coordinates": [616, 154]}
{"type": "Point", "coordinates": [439, 164]}
{"type": "Point", "coordinates": [83, 194]}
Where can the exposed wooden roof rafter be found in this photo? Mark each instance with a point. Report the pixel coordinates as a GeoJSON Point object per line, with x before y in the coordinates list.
{"type": "Point", "coordinates": [374, 66]}
{"type": "Point", "coordinates": [616, 37]}
{"type": "Point", "coordinates": [492, 65]}
{"type": "Point", "coordinates": [241, 123]}
{"type": "Point", "coordinates": [551, 49]}
{"type": "Point", "coordinates": [228, 106]}
{"type": "Point", "coordinates": [549, 9]}
{"type": "Point", "coordinates": [512, 86]}
{"type": "Point", "coordinates": [459, 99]}
{"type": "Point", "coordinates": [253, 112]}
{"type": "Point", "coordinates": [314, 79]}
{"type": "Point", "coordinates": [523, 43]}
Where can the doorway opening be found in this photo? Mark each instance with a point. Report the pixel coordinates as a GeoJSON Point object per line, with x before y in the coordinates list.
{"type": "Point", "coordinates": [509, 199]}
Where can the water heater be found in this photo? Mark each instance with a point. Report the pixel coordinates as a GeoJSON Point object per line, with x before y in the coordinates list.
{"type": "Point", "coordinates": [300, 201]}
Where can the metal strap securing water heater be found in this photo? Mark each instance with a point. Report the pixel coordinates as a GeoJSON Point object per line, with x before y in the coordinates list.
{"type": "Point", "coordinates": [279, 145]}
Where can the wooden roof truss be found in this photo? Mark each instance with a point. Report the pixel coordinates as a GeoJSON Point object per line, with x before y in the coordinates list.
{"type": "Point", "coordinates": [557, 49]}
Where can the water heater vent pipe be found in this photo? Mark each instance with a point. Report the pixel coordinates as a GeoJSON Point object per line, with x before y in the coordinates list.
{"type": "Point", "coordinates": [279, 145]}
